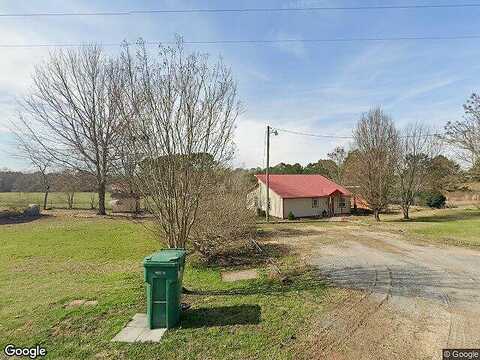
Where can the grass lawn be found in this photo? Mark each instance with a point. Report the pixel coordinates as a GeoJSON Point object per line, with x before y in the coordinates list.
{"type": "Point", "coordinates": [47, 263]}
{"type": "Point", "coordinates": [56, 200]}
{"type": "Point", "coordinates": [455, 226]}
{"type": "Point", "coordinates": [458, 226]}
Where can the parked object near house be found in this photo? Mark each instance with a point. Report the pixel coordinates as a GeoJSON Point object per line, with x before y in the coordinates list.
{"type": "Point", "coordinates": [302, 195]}
{"type": "Point", "coordinates": [163, 274]}
{"type": "Point", "coordinates": [124, 200]}
{"type": "Point", "coordinates": [33, 210]}
{"type": "Point", "coordinates": [359, 204]}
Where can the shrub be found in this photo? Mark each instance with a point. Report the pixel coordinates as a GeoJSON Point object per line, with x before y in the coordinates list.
{"type": "Point", "coordinates": [435, 200]}
{"type": "Point", "coordinates": [224, 221]}
{"type": "Point", "coordinates": [261, 213]}
{"type": "Point", "coordinates": [291, 216]}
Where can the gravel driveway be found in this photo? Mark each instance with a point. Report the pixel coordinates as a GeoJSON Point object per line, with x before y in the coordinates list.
{"type": "Point", "coordinates": [393, 298]}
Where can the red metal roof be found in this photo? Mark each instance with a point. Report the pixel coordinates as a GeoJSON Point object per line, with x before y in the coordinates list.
{"type": "Point", "coordinates": [302, 186]}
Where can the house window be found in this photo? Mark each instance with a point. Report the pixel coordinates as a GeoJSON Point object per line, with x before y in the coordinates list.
{"type": "Point", "coordinates": [342, 203]}
{"type": "Point", "coordinates": [314, 203]}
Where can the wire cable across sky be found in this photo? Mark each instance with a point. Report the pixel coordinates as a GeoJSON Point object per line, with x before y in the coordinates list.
{"type": "Point", "coordinates": [328, 136]}
{"type": "Point", "coordinates": [295, 132]}
{"type": "Point", "coordinates": [254, 41]}
{"type": "Point", "coordinates": [243, 10]}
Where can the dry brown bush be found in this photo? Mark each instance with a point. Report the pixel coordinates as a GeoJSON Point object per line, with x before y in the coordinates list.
{"type": "Point", "coordinates": [224, 221]}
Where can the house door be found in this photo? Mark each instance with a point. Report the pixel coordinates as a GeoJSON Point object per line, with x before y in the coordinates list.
{"type": "Point", "coordinates": [331, 206]}
{"type": "Point", "coordinates": [316, 210]}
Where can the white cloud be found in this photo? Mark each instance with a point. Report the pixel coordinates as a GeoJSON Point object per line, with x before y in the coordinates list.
{"type": "Point", "coordinates": [250, 140]}
{"type": "Point", "coordinates": [285, 147]}
{"type": "Point", "coordinates": [372, 62]}
{"type": "Point", "coordinates": [296, 49]}
{"type": "Point", "coordinates": [16, 64]}
{"type": "Point", "coordinates": [421, 88]}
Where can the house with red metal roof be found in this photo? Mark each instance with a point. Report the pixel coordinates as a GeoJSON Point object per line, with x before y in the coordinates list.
{"type": "Point", "coordinates": [302, 195]}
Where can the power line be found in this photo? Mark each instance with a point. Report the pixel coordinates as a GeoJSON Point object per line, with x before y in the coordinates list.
{"type": "Point", "coordinates": [257, 41]}
{"type": "Point", "coordinates": [337, 136]}
{"type": "Point", "coordinates": [312, 135]}
{"type": "Point", "coordinates": [242, 10]}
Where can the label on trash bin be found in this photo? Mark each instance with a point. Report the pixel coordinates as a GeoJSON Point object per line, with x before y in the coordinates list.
{"type": "Point", "coordinates": [160, 273]}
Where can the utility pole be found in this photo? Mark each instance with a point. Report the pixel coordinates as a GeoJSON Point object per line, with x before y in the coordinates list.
{"type": "Point", "coordinates": [267, 174]}
{"type": "Point", "coordinates": [267, 170]}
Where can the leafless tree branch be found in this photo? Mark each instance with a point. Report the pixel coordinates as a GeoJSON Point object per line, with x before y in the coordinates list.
{"type": "Point", "coordinates": [72, 114]}
{"type": "Point", "coordinates": [180, 111]}
{"type": "Point", "coordinates": [376, 140]}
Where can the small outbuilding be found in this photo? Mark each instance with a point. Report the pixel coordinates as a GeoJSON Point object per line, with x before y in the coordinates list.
{"type": "Point", "coordinates": [123, 199]}
{"type": "Point", "coordinates": [302, 195]}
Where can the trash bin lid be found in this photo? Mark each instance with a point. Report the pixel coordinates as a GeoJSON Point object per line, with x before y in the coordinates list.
{"type": "Point", "coordinates": [164, 256]}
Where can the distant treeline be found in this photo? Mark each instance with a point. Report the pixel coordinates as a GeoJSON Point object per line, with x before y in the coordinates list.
{"type": "Point", "coordinates": [327, 168]}
{"type": "Point", "coordinates": [444, 173]}
{"type": "Point", "coordinates": [32, 182]}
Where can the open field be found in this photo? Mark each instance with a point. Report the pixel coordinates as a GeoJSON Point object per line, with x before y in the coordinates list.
{"type": "Point", "coordinates": [460, 226]}
{"type": "Point", "coordinates": [47, 263]}
{"type": "Point", "coordinates": [465, 197]}
{"type": "Point", "coordinates": [457, 226]}
{"type": "Point", "coordinates": [56, 200]}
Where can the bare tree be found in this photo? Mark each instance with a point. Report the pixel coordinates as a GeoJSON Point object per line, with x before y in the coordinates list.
{"type": "Point", "coordinates": [376, 140]}
{"type": "Point", "coordinates": [41, 160]}
{"type": "Point", "coordinates": [181, 111]}
{"type": "Point", "coordinates": [71, 111]}
{"type": "Point", "coordinates": [126, 163]}
{"type": "Point", "coordinates": [71, 182]}
{"type": "Point", "coordinates": [93, 201]}
{"type": "Point", "coordinates": [464, 135]}
{"type": "Point", "coordinates": [415, 151]}
{"type": "Point", "coordinates": [338, 155]}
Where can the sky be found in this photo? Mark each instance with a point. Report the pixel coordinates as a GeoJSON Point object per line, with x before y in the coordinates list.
{"type": "Point", "coordinates": [319, 88]}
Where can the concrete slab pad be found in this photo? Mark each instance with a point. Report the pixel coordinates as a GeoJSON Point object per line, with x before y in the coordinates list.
{"type": "Point", "coordinates": [128, 334]}
{"type": "Point", "coordinates": [232, 276]}
{"type": "Point", "coordinates": [148, 335]}
{"type": "Point", "coordinates": [137, 331]}
{"type": "Point", "coordinates": [91, 303]}
{"type": "Point", "coordinates": [75, 303]}
{"type": "Point", "coordinates": [138, 320]}
{"type": "Point", "coordinates": [80, 302]}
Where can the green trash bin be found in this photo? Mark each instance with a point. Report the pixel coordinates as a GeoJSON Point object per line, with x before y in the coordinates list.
{"type": "Point", "coordinates": [163, 278]}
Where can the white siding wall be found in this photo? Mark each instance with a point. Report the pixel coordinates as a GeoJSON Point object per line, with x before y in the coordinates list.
{"type": "Point", "coordinates": [303, 207]}
{"type": "Point", "coordinates": [276, 203]}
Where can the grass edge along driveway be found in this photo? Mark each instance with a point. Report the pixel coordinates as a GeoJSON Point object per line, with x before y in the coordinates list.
{"type": "Point", "coordinates": [46, 264]}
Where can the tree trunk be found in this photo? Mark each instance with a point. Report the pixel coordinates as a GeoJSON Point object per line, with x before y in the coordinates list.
{"type": "Point", "coordinates": [92, 201]}
{"type": "Point", "coordinates": [46, 187]}
{"type": "Point", "coordinates": [376, 213]}
{"type": "Point", "coordinates": [72, 200]}
{"type": "Point", "coordinates": [405, 214]}
{"type": "Point", "coordinates": [101, 199]}
{"type": "Point", "coordinates": [45, 199]}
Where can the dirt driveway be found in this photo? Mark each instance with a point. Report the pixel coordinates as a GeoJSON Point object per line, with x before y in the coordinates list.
{"type": "Point", "coordinates": [392, 298]}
